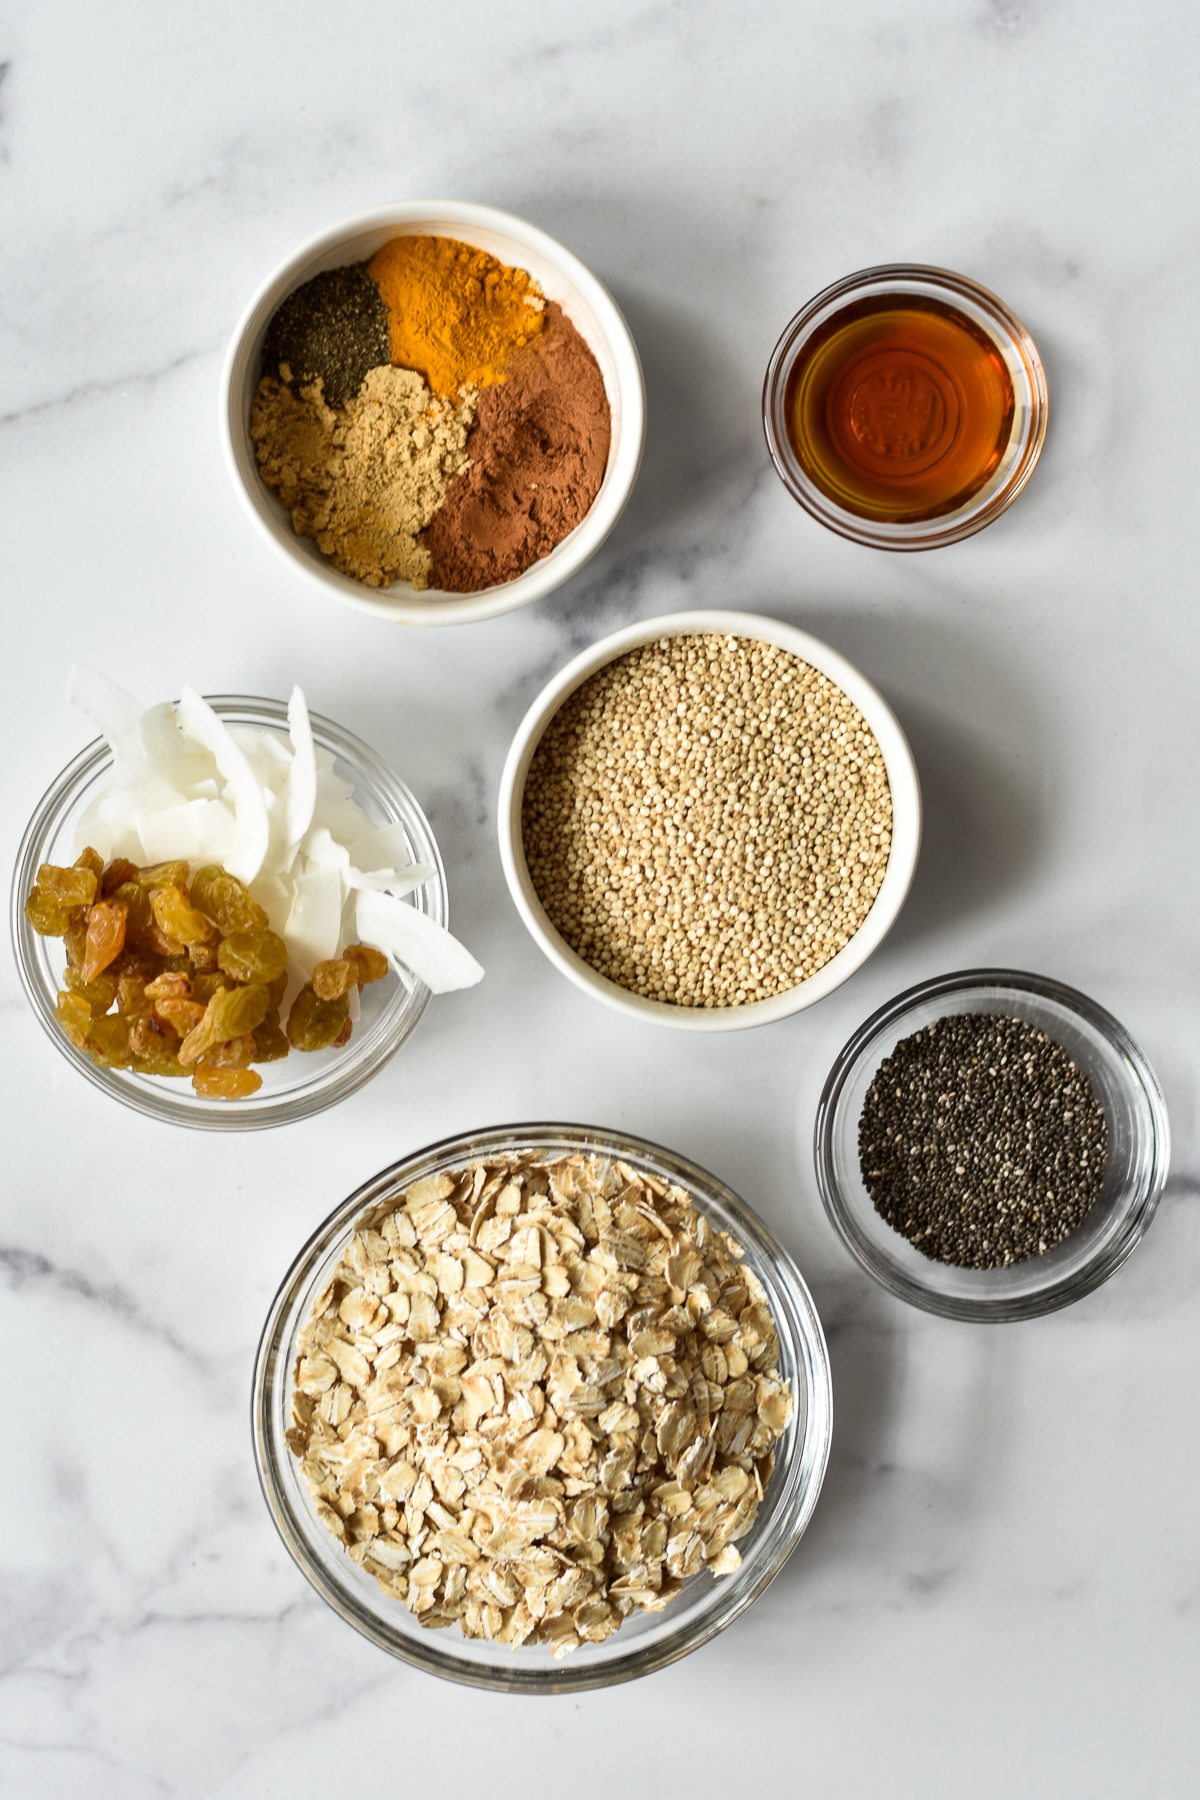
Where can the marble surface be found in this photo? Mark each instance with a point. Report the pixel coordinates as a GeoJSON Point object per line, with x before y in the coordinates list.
{"type": "Point", "coordinates": [1000, 1591]}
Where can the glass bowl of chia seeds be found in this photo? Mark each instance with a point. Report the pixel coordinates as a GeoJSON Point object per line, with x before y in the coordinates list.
{"type": "Point", "coordinates": [975, 1076]}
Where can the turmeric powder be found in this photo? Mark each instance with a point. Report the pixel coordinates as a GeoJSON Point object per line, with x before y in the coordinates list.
{"type": "Point", "coordinates": [456, 313]}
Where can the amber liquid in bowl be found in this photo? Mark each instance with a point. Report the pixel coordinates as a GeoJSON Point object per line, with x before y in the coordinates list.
{"type": "Point", "coordinates": [900, 408]}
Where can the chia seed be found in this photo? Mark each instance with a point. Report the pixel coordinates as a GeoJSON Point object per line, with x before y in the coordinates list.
{"type": "Point", "coordinates": [981, 1142]}
{"type": "Point", "coordinates": [335, 328]}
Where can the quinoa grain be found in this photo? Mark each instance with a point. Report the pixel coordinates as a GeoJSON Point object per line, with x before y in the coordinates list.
{"type": "Point", "coordinates": [707, 820]}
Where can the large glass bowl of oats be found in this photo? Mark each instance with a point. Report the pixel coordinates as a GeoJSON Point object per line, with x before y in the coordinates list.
{"type": "Point", "coordinates": [542, 1408]}
{"type": "Point", "coordinates": [709, 821]}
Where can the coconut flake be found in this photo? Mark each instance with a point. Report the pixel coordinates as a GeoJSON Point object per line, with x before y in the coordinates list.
{"type": "Point", "coordinates": [300, 795]}
{"type": "Point", "coordinates": [315, 921]}
{"type": "Point", "coordinates": [417, 941]}
{"type": "Point", "coordinates": [390, 881]}
{"type": "Point", "coordinates": [111, 708]}
{"type": "Point", "coordinates": [245, 858]}
{"type": "Point", "coordinates": [320, 847]}
{"type": "Point", "coordinates": [179, 760]}
{"type": "Point", "coordinates": [386, 848]}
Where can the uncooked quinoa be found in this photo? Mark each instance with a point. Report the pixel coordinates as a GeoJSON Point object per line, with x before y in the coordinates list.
{"type": "Point", "coordinates": [982, 1142]}
{"type": "Point", "coordinates": [707, 820]}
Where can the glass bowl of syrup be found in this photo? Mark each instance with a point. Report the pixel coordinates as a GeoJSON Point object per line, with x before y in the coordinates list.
{"type": "Point", "coordinates": [905, 407]}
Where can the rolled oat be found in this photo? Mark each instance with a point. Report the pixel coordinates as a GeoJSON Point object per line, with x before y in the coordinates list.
{"type": "Point", "coordinates": [536, 1395]}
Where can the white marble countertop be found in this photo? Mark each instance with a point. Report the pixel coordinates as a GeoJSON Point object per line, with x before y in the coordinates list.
{"type": "Point", "coordinates": [1000, 1592]}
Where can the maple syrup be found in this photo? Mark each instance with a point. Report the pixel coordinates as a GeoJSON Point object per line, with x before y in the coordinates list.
{"type": "Point", "coordinates": [900, 408]}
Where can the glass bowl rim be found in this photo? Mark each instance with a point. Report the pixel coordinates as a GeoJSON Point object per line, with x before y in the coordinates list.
{"type": "Point", "coordinates": [810, 1454]}
{"type": "Point", "coordinates": [949, 528]}
{"type": "Point", "coordinates": [1063, 1290]}
{"type": "Point", "coordinates": [335, 1083]}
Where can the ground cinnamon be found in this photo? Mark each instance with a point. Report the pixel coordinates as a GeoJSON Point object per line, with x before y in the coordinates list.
{"type": "Point", "coordinates": [538, 449]}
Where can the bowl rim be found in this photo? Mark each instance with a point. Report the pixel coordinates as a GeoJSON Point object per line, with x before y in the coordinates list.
{"type": "Point", "coordinates": [926, 534]}
{"type": "Point", "coordinates": [1057, 1293]}
{"type": "Point", "coordinates": [400, 603]}
{"type": "Point", "coordinates": [906, 820]}
{"type": "Point", "coordinates": [811, 1452]}
{"type": "Point", "coordinates": [339, 1081]}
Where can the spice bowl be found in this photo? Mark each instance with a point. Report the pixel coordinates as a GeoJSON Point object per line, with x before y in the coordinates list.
{"type": "Point", "coordinates": [563, 278]}
{"type": "Point", "coordinates": [1138, 1149]}
{"type": "Point", "coordinates": [302, 1083]}
{"type": "Point", "coordinates": [902, 860]}
{"type": "Point", "coordinates": [914, 410]}
{"type": "Point", "coordinates": [646, 1641]}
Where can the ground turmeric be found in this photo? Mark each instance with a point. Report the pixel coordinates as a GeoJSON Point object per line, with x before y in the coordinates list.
{"type": "Point", "coordinates": [456, 313]}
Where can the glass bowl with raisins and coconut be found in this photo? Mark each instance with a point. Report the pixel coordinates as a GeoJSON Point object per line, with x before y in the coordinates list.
{"type": "Point", "coordinates": [542, 1408]}
{"type": "Point", "coordinates": [229, 913]}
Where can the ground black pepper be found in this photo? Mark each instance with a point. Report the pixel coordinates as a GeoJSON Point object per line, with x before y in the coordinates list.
{"type": "Point", "coordinates": [981, 1141]}
{"type": "Point", "coordinates": [335, 327]}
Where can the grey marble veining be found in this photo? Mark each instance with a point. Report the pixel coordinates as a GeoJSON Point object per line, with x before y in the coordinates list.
{"type": "Point", "coordinates": [1000, 1591]}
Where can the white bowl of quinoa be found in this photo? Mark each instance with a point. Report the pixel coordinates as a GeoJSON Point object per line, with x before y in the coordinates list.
{"type": "Point", "coordinates": [709, 820]}
{"type": "Point", "coordinates": [569, 291]}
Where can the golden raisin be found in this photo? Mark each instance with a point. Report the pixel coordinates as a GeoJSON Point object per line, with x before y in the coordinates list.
{"type": "Point", "coordinates": [276, 990]}
{"type": "Point", "coordinates": [48, 916]}
{"type": "Point", "coordinates": [203, 957]}
{"type": "Point", "coordinates": [372, 965]}
{"type": "Point", "coordinates": [131, 994]}
{"type": "Point", "coordinates": [164, 874]}
{"type": "Point", "coordinates": [75, 941]}
{"type": "Point", "coordinates": [334, 978]}
{"type": "Point", "coordinates": [115, 874]}
{"type": "Point", "coordinates": [237, 1011]}
{"type": "Point", "coordinates": [105, 936]}
{"type": "Point", "coordinates": [223, 899]}
{"type": "Point", "coordinates": [148, 1039]}
{"type": "Point", "coordinates": [69, 887]}
{"type": "Point", "coordinates": [225, 1084]}
{"type": "Point", "coordinates": [159, 1059]}
{"type": "Point", "coordinates": [202, 1037]}
{"type": "Point", "coordinates": [170, 984]}
{"type": "Point", "coordinates": [205, 986]}
{"type": "Point", "coordinates": [253, 956]}
{"type": "Point", "coordinates": [313, 1023]}
{"type": "Point", "coordinates": [177, 917]}
{"type": "Point", "coordinates": [91, 859]}
{"type": "Point", "coordinates": [108, 1042]}
{"type": "Point", "coordinates": [343, 1036]}
{"type": "Point", "coordinates": [74, 1015]}
{"type": "Point", "coordinates": [235, 1053]}
{"type": "Point", "coordinates": [99, 994]}
{"type": "Point", "coordinates": [136, 901]}
{"type": "Point", "coordinates": [270, 1040]}
{"type": "Point", "coordinates": [180, 1015]}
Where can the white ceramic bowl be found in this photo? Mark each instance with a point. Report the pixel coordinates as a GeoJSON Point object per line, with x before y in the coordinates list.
{"type": "Point", "coordinates": [562, 277]}
{"type": "Point", "coordinates": [906, 820]}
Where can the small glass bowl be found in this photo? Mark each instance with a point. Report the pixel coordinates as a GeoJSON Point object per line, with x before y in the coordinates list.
{"type": "Point", "coordinates": [1139, 1149]}
{"type": "Point", "coordinates": [646, 1641]}
{"type": "Point", "coordinates": [300, 1084]}
{"type": "Point", "coordinates": [1011, 340]}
